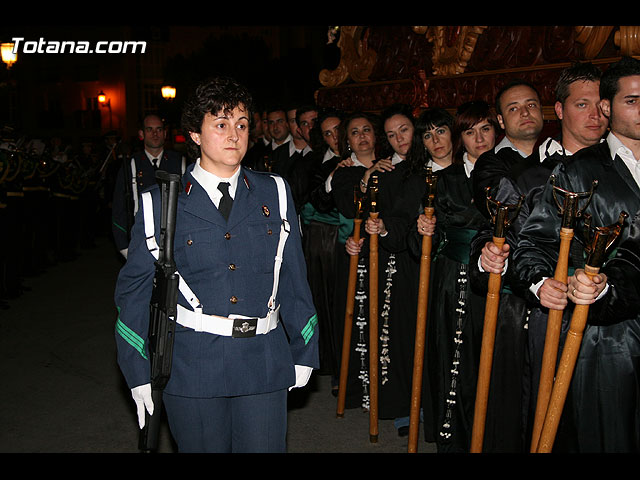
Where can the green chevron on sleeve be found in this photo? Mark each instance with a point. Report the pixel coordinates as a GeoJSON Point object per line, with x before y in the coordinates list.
{"type": "Point", "coordinates": [129, 336]}
{"type": "Point", "coordinates": [309, 329]}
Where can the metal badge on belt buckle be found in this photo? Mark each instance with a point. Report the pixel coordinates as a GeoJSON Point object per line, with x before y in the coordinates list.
{"type": "Point", "coordinates": [244, 327]}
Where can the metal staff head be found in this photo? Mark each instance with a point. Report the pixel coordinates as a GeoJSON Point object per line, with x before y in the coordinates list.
{"type": "Point", "coordinates": [500, 213]}
{"type": "Point", "coordinates": [431, 180]}
{"type": "Point", "coordinates": [599, 239]}
{"type": "Point", "coordinates": [569, 208]}
{"type": "Point", "coordinates": [357, 200]}
{"type": "Point", "coordinates": [373, 192]}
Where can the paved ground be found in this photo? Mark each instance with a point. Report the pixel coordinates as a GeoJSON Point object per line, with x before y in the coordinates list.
{"type": "Point", "coordinates": [62, 391]}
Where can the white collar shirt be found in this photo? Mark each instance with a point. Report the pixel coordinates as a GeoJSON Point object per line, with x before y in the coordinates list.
{"type": "Point", "coordinates": [209, 182]}
{"type": "Point", "coordinates": [616, 147]}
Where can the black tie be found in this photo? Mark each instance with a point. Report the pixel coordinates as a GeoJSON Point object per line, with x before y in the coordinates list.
{"type": "Point", "coordinates": [226, 201]}
{"type": "Point", "coordinates": [155, 163]}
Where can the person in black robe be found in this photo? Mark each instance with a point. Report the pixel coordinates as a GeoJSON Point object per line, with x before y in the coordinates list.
{"type": "Point", "coordinates": [455, 313]}
{"type": "Point", "coordinates": [521, 324]}
{"type": "Point", "coordinates": [324, 235]}
{"type": "Point", "coordinates": [392, 338]}
{"type": "Point", "coordinates": [398, 277]}
{"type": "Point", "coordinates": [601, 411]}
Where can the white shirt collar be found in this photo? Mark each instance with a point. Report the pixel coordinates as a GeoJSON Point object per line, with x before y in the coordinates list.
{"type": "Point", "coordinates": [550, 147]}
{"type": "Point", "coordinates": [434, 166]}
{"type": "Point", "coordinates": [505, 142]}
{"type": "Point", "coordinates": [274, 145]}
{"type": "Point", "coordinates": [468, 165]}
{"type": "Point", "coordinates": [293, 149]}
{"type": "Point", "coordinates": [356, 162]}
{"type": "Point", "coordinates": [328, 155]}
{"type": "Point", "coordinates": [616, 147]}
{"type": "Point", "coordinates": [209, 182]}
{"type": "Point", "coordinates": [395, 159]}
{"type": "Point", "coordinates": [151, 157]}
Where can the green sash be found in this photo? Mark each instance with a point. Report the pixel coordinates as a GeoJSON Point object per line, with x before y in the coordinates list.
{"type": "Point", "coordinates": [456, 244]}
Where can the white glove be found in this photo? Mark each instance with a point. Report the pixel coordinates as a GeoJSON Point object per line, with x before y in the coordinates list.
{"type": "Point", "coordinates": [302, 376]}
{"type": "Point", "coordinates": [142, 396]}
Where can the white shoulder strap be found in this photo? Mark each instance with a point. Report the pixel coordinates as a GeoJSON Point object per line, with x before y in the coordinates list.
{"type": "Point", "coordinates": [152, 245]}
{"type": "Point", "coordinates": [134, 186]}
{"type": "Point", "coordinates": [285, 229]}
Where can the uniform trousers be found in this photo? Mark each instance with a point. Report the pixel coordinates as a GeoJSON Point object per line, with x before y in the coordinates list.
{"type": "Point", "coordinates": [241, 424]}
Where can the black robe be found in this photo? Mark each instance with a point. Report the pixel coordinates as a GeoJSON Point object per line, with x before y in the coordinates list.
{"type": "Point", "coordinates": [456, 313]}
{"type": "Point", "coordinates": [397, 300]}
{"type": "Point", "coordinates": [517, 353]}
{"type": "Point", "coordinates": [601, 412]}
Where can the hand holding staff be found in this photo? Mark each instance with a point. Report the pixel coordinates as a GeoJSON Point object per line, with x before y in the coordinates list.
{"type": "Point", "coordinates": [569, 210]}
{"type": "Point", "coordinates": [373, 315]}
{"type": "Point", "coordinates": [348, 316]}
{"type": "Point", "coordinates": [501, 222]}
{"type": "Point", "coordinates": [421, 320]}
{"type": "Point", "coordinates": [601, 240]}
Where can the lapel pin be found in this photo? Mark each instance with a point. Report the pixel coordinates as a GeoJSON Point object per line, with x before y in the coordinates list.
{"type": "Point", "coordinates": [265, 211]}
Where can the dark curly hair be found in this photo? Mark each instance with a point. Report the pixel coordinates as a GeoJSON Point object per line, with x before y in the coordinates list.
{"type": "Point", "coordinates": [343, 134]}
{"type": "Point", "coordinates": [214, 95]}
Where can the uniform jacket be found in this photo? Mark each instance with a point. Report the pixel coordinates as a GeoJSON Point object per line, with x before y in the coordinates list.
{"type": "Point", "coordinates": [171, 162]}
{"type": "Point", "coordinates": [229, 266]}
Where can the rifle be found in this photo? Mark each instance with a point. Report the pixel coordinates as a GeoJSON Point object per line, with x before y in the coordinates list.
{"type": "Point", "coordinates": [162, 309]}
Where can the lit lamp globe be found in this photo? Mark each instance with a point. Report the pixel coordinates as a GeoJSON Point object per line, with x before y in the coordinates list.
{"type": "Point", "coordinates": [168, 92]}
{"type": "Point", "coordinates": [8, 55]}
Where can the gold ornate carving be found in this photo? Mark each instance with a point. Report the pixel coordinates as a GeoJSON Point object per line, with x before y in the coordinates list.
{"type": "Point", "coordinates": [356, 59]}
{"type": "Point", "coordinates": [593, 39]}
{"type": "Point", "coordinates": [628, 40]}
{"type": "Point", "coordinates": [453, 47]}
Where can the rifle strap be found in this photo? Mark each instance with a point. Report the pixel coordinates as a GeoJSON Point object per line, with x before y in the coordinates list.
{"type": "Point", "coordinates": [134, 186]}
{"type": "Point", "coordinates": [187, 293]}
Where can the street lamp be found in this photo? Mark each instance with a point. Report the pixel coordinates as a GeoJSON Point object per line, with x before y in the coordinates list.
{"type": "Point", "coordinates": [168, 92]}
{"type": "Point", "coordinates": [8, 55]}
{"type": "Point", "coordinates": [106, 102]}
{"type": "Point", "coordinates": [102, 99]}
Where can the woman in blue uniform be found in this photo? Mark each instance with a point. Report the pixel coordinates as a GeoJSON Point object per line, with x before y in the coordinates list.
{"type": "Point", "coordinates": [225, 394]}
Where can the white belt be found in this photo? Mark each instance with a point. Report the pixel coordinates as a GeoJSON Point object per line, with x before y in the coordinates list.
{"type": "Point", "coordinates": [233, 326]}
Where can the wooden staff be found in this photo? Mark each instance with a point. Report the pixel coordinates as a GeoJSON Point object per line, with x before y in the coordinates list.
{"type": "Point", "coordinates": [373, 315]}
{"type": "Point", "coordinates": [569, 210]}
{"type": "Point", "coordinates": [501, 222]}
{"type": "Point", "coordinates": [421, 319]}
{"type": "Point", "coordinates": [348, 315]}
{"type": "Point", "coordinates": [601, 240]}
